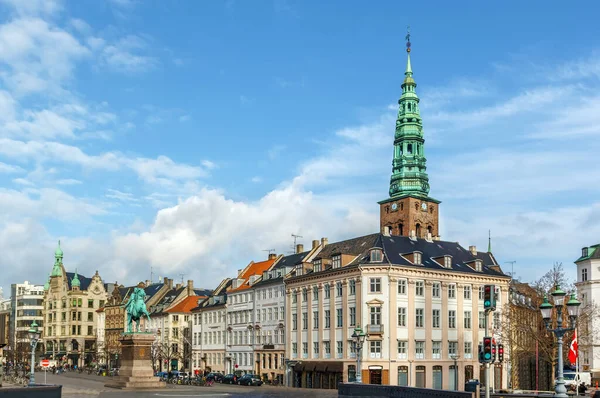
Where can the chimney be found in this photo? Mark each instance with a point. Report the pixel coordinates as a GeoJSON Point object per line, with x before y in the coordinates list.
{"type": "Point", "coordinates": [190, 288]}
{"type": "Point", "coordinates": [177, 286]}
{"type": "Point", "coordinates": [148, 283]}
{"type": "Point", "coordinates": [166, 281]}
{"type": "Point", "coordinates": [429, 237]}
{"type": "Point", "coordinates": [170, 283]}
{"type": "Point", "coordinates": [324, 241]}
{"type": "Point", "coordinates": [315, 243]}
{"type": "Point", "coordinates": [239, 272]}
{"type": "Point", "coordinates": [387, 231]}
{"type": "Point", "coordinates": [473, 250]}
{"type": "Point", "coordinates": [299, 248]}
{"type": "Point", "coordinates": [272, 256]}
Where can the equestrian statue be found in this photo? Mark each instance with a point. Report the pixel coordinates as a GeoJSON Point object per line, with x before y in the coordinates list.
{"type": "Point", "coordinates": [136, 308]}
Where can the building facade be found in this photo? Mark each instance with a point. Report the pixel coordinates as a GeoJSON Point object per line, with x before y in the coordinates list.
{"type": "Point", "coordinates": [70, 318]}
{"type": "Point", "coordinates": [4, 329]}
{"type": "Point", "coordinates": [241, 330]}
{"type": "Point", "coordinates": [26, 304]}
{"type": "Point", "coordinates": [588, 289]}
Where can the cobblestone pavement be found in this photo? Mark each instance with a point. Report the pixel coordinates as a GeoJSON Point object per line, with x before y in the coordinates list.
{"type": "Point", "coordinates": [77, 385]}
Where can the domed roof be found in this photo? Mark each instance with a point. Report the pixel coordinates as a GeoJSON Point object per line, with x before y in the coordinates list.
{"type": "Point", "coordinates": [47, 284]}
{"type": "Point", "coordinates": [75, 281]}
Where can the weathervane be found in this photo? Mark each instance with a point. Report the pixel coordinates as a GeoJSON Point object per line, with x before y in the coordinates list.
{"type": "Point", "coordinates": [407, 39]}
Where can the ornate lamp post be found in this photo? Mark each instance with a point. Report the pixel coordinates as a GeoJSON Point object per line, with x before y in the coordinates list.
{"type": "Point", "coordinates": [454, 357]}
{"type": "Point", "coordinates": [358, 339]}
{"type": "Point", "coordinates": [34, 337]}
{"type": "Point", "coordinates": [573, 309]}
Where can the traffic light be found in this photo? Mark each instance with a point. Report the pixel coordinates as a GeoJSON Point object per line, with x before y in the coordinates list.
{"type": "Point", "coordinates": [489, 297]}
{"type": "Point", "coordinates": [487, 349]}
{"type": "Point", "coordinates": [494, 352]}
{"type": "Point", "coordinates": [480, 352]}
{"type": "Point", "coordinates": [500, 353]}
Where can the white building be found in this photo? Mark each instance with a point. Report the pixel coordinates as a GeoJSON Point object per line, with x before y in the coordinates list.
{"type": "Point", "coordinates": [101, 357]}
{"type": "Point", "coordinates": [27, 304]}
{"type": "Point", "coordinates": [240, 318]}
{"type": "Point", "coordinates": [209, 327]}
{"type": "Point", "coordinates": [588, 288]}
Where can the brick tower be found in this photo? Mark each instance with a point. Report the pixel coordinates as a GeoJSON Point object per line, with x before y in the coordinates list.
{"type": "Point", "coordinates": [409, 209]}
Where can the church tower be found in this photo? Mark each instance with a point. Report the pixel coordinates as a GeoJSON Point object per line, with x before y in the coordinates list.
{"type": "Point", "coordinates": [409, 210]}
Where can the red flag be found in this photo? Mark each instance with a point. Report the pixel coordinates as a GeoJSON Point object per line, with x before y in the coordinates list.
{"type": "Point", "coordinates": [573, 351]}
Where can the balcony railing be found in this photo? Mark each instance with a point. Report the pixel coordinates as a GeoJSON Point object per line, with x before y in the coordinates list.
{"type": "Point", "coordinates": [375, 329]}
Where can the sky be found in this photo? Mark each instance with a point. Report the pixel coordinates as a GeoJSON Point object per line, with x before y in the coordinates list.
{"type": "Point", "coordinates": [187, 138]}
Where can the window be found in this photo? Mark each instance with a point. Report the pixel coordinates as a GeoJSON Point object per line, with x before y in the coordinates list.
{"type": "Point", "coordinates": [402, 286]}
{"type": "Point", "coordinates": [435, 290]}
{"type": "Point", "coordinates": [294, 321]}
{"type": "Point", "coordinates": [315, 293]}
{"type": "Point", "coordinates": [584, 252]}
{"type": "Point", "coordinates": [90, 303]}
{"type": "Point", "coordinates": [352, 316]}
{"type": "Point", "coordinates": [452, 348]}
{"type": "Point", "coordinates": [478, 265]}
{"type": "Point", "coordinates": [375, 349]}
{"type": "Point", "coordinates": [402, 316]}
{"type": "Point", "coordinates": [417, 256]}
{"type": "Point", "coordinates": [375, 315]}
{"type": "Point", "coordinates": [402, 349]}
{"type": "Point", "coordinates": [481, 320]}
{"type": "Point", "coordinates": [420, 288]}
{"type": "Point", "coordinates": [467, 292]}
{"type": "Point", "coordinates": [496, 322]}
{"type": "Point", "coordinates": [436, 350]}
{"type": "Point", "coordinates": [403, 376]}
{"type": "Point", "coordinates": [339, 318]}
{"type": "Point", "coordinates": [327, 319]}
{"type": "Point", "coordinates": [352, 285]}
{"type": "Point", "coordinates": [420, 376]}
{"type": "Point", "coordinates": [315, 319]}
{"type": "Point", "coordinates": [295, 348]}
{"type": "Point", "coordinates": [305, 320]}
{"type": "Point", "coordinates": [375, 285]}
{"type": "Point", "coordinates": [468, 350]}
{"type": "Point", "coordinates": [447, 261]}
{"type": "Point", "coordinates": [327, 347]}
{"type": "Point", "coordinates": [316, 348]}
{"type": "Point", "coordinates": [327, 290]}
{"type": "Point", "coordinates": [435, 319]}
{"type": "Point", "coordinates": [338, 289]}
{"type": "Point", "coordinates": [294, 298]}
{"type": "Point", "coordinates": [340, 348]}
{"type": "Point", "coordinates": [481, 292]}
{"type": "Point", "coordinates": [451, 291]}
{"type": "Point", "coordinates": [304, 295]}
{"type": "Point", "coordinates": [305, 348]}
{"type": "Point", "coordinates": [419, 349]}
{"type": "Point", "coordinates": [452, 319]}
{"type": "Point", "coordinates": [351, 373]}
{"type": "Point", "coordinates": [337, 261]}
{"type": "Point", "coordinates": [584, 274]}
{"type": "Point", "coordinates": [317, 266]}
{"type": "Point", "coordinates": [90, 330]}
{"type": "Point", "coordinates": [376, 256]}
{"type": "Point", "coordinates": [467, 320]}
{"type": "Point", "coordinates": [419, 317]}
{"type": "Point", "coordinates": [90, 316]}
{"type": "Point", "coordinates": [436, 377]}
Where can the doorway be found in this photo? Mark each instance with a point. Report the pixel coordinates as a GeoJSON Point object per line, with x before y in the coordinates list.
{"type": "Point", "coordinates": [374, 376]}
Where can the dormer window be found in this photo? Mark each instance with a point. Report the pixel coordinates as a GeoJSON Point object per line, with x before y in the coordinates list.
{"type": "Point", "coordinates": [478, 265]}
{"type": "Point", "coordinates": [448, 261]}
{"type": "Point", "coordinates": [317, 266]}
{"type": "Point", "coordinates": [376, 255]}
{"type": "Point", "coordinates": [417, 258]}
{"type": "Point", "coordinates": [299, 269]}
{"type": "Point", "coordinates": [336, 261]}
{"type": "Point", "coordinates": [584, 252]}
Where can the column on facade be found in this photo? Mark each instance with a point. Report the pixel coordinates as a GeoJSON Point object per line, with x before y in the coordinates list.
{"type": "Point", "coordinates": [444, 321]}
{"type": "Point", "coordinates": [392, 328]}
{"type": "Point", "coordinates": [460, 327]}
{"type": "Point", "coordinates": [332, 320]}
{"type": "Point", "coordinates": [410, 315]}
{"type": "Point", "coordinates": [345, 326]}
{"type": "Point", "coordinates": [428, 323]}
{"type": "Point", "coordinates": [309, 315]}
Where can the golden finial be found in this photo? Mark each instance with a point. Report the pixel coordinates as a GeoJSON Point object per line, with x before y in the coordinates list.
{"type": "Point", "coordinates": [407, 39]}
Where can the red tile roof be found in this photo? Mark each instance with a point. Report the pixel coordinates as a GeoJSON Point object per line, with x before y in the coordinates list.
{"type": "Point", "coordinates": [253, 269]}
{"type": "Point", "coordinates": [186, 305]}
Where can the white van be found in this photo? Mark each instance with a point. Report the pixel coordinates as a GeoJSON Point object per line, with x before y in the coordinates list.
{"type": "Point", "coordinates": [572, 378]}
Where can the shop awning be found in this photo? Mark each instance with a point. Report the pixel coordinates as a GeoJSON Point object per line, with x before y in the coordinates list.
{"type": "Point", "coordinates": [319, 366]}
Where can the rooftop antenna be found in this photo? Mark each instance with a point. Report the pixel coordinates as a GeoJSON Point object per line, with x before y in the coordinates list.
{"type": "Point", "coordinates": [512, 271]}
{"type": "Point", "coordinates": [181, 275]}
{"type": "Point", "coordinates": [269, 251]}
{"type": "Point", "coordinates": [151, 275]}
{"type": "Point", "coordinates": [296, 237]}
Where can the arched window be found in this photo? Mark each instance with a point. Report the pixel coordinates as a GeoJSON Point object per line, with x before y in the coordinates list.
{"type": "Point", "coordinates": [418, 230]}
{"type": "Point", "coordinates": [400, 229]}
{"type": "Point", "coordinates": [409, 148]}
{"type": "Point", "coordinates": [430, 229]}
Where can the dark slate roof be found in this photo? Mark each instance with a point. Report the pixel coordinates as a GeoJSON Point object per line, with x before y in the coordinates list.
{"type": "Point", "coordinates": [203, 292]}
{"type": "Point", "coordinates": [354, 246]}
{"type": "Point", "coordinates": [395, 246]}
{"type": "Point", "coordinates": [291, 260]}
{"type": "Point", "coordinates": [166, 301]}
{"type": "Point", "coordinates": [150, 291]}
{"type": "Point", "coordinates": [265, 282]}
{"type": "Point", "coordinates": [85, 281]}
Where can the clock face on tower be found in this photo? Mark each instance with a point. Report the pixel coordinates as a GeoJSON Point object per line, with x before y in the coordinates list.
{"type": "Point", "coordinates": [394, 206]}
{"type": "Point", "coordinates": [424, 206]}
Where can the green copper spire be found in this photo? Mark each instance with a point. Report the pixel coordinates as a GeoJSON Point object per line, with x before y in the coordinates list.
{"type": "Point", "coordinates": [47, 284]}
{"type": "Point", "coordinates": [75, 281]}
{"type": "Point", "coordinates": [58, 257]}
{"type": "Point", "coordinates": [409, 176]}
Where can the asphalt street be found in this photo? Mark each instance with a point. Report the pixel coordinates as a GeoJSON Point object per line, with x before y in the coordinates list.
{"type": "Point", "coordinates": [77, 385]}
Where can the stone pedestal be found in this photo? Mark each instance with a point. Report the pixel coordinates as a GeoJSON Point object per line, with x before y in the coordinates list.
{"type": "Point", "coordinates": [136, 364]}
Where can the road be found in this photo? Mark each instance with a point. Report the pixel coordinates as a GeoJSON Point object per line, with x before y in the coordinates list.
{"type": "Point", "coordinates": [77, 385]}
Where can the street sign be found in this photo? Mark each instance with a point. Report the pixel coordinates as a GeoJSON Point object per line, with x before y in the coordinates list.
{"type": "Point", "coordinates": [45, 363]}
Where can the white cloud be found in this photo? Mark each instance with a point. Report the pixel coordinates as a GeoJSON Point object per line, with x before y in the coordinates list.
{"type": "Point", "coordinates": [256, 179]}
{"type": "Point", "coordinates": [121, 196]}
{"type": "Point", "coordinates": [10, 168]}
{"type": "Point", "coordinates": [22, 181]}
{"type": "Point", "coordinates": [124, 55]}
{"type": "Point", "coordinates": [34, 7]}
{"type": "Point", "coordinates": [69, 181]}
{"type": "Point", "coordinates": [208, 164]}
{"type": "Point", "coordinates": [274, 152]}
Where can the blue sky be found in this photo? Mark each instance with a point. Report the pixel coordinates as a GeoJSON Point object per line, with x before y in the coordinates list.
{"type": "Point", "coordinates": [189, 136]}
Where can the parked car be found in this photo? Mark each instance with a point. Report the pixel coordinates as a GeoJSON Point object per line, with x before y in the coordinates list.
{"type": "Point", "coordinates": [215, 377]}
{"type": "Point", "coordinates": [250, 380]}
{"type": "Point", "coordinates": [228, 379]}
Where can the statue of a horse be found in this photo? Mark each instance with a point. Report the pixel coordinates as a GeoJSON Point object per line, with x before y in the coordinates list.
{"type": "Point", "coordinates": [136, 308]}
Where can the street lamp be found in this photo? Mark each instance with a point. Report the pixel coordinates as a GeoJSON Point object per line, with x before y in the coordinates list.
{"type": "Point", "coordinates": [573, 310]}
{"type": "Point", "coordinates": [454, 357]}
{"type": "Point", "coordinates": [358, 339]}
{"type": "Point", "coordinates": [34, 337]}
